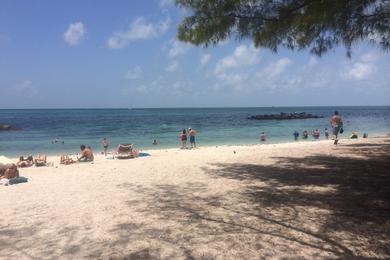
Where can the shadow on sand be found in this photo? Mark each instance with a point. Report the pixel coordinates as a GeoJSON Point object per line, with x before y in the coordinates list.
{"type": "Point", "coordinates": [320, 206]}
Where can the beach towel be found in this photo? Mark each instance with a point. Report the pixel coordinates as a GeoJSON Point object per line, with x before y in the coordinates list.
{"type": "Point", "coordinates": [12, 181]}
{"type": "Point", "coordinates": [17, 180]}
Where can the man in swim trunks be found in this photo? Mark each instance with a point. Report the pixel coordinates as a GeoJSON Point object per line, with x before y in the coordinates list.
{"type": "Point", "coordinates": [105, 146]}
{"type": "Point", "coordinates": [337, 124]}
{"type": "Point", "coordinates": [86, 154]}
{"type": "Point", "coordinates": [192, 134]}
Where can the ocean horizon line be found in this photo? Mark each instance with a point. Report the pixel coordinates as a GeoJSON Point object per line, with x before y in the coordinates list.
{"type": "Point", "coordinates": [195, 107]}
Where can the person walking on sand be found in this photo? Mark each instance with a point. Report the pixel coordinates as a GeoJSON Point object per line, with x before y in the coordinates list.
{"type": "Point", "coordinates": [337, 124]}
{"type": "Point", "coordinates": [183, 139]}
{"type": "Point", "coordinates": [192, 134]}
{"type": "Point", "coordinates": [105, 146]}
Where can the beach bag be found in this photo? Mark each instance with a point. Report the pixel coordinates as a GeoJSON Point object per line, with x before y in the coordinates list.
{"type": "Point", "coordinates": [341, 130]}
{"type": "Point", "coordinates": [17, 180]}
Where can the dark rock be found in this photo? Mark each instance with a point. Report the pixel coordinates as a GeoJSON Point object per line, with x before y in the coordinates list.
{"type": "Point", "coordinates": [284, 116]}
{"type": "Point", "coordinates": [9, 128]}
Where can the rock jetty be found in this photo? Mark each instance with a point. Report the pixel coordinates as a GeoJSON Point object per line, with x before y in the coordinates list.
{"type": "Point", "coordinates": [284, 116]}
{"type": "Point", "coordinates": [9, 128]}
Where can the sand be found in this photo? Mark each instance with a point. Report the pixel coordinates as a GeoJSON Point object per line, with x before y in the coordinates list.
{"type": "Point", "coordinates": [295, 200]}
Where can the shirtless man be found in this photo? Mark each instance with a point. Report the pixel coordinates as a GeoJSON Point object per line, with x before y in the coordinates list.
{"type": "Point", "coordinates": [105, 146]}
{"type": "Point", "coordinates": [192, 134]}
{"type": "Point", "coordinates": [86, 154]}
{"type": "Point", "coordinates": [337, 124]}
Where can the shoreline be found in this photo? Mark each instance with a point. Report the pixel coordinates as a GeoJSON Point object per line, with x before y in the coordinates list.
{"type": "Point", "coordinates": [159, 149]}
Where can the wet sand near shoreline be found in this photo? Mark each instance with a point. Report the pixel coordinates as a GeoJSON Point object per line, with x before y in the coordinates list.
{"type": "Point", "coordinates": [294, 200]}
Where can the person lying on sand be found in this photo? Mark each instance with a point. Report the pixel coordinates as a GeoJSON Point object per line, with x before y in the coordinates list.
{"type": "Point", "coordinates": [40, 160]}
{"type": "Point", "coordinates": [65, 159]}
{"type": "Point", "coordinates": [25, 162]}
{"type": "Point", "coordinates": [86, 154]}
{"type": "Point", "coordinates": [8, 171]}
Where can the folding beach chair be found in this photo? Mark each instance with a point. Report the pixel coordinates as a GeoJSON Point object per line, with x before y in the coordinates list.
{"type": "Point", "coordinates": [126, 151]}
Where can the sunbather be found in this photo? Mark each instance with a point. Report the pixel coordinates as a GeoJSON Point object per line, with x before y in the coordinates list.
{"type": "Point", "coordinates": [29, 161]}
{"type": "Point", "coordinates": [126, 151]}
{"type": "Point", "coordinates": [40, 160]}
{"type": "Point", "coordinates": [8, 171]}
{"type": "Point", "coordinates": [65, 159]}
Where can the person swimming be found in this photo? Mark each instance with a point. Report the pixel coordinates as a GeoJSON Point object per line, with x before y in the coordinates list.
{"type": "Point", "coordinates": [305, 134]}
{"type": "Point", "coordinates": [154, 142]}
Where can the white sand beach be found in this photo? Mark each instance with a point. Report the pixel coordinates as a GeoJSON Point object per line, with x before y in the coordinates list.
{"type": "Point", "coordinates": [294, 200]}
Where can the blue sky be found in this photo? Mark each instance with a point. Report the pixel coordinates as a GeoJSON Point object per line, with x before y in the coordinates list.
{"type": "Point", "coordinates": [84, 54]}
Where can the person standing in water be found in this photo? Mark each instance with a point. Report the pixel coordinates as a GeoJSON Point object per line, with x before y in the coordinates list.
{"type": "Point", "coordinates": [262, 137]}
{"type": "Point", "coordinates": [105, 146]}
{"type": "Point", "coordinates": [305, 134]}
{"type": "Point", "coordinates": [337, 124]}
{"type": "Point", "coordinates": [183, 139]}
{"type": "Point", "coordinates": [192, 134]}
{"type": "Point", "coordinates": [326, 134]}
{"type": "Point", "coordinates": [296, 135]}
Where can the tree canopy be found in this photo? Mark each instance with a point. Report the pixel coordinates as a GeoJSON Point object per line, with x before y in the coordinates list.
{"type": "Point", "coordinates": [318, 25]}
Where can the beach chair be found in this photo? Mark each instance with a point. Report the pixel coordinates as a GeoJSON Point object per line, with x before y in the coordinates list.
{"type": "Point", "coordinates": [65, 159]}
{"type": "Point", "coordinates": [126, 151]}
{"type": "Point", "coordinates": [40, 160]}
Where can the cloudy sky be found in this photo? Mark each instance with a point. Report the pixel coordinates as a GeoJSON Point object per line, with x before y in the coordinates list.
{"type": "Point", "coordinates": [64, 54]}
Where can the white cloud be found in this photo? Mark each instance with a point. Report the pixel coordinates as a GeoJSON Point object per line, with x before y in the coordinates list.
{"type": "Point", "coordinates": [75, 33]}
{"type": "Point", "coordinates": [134, 73]}
{"type": "Point", "coordinates": [275, 69]}
{"type": "Point", "coordinates": [172, 67]}
{"type": "Point", "coordinates": [26, 88]}
{"type": "Point", "coordinates": [359, 71]}
{"type": "Point", "coordinates": [369, 57]}
{"type": "Point", "coordinates": [205, 59]}
{"type": "Point", "coordinates": [166, 3]}
{"type": "Point", "coordinates": [139, 29]}
{"type": "Point", "coordinates": [362, 69]}
{"type": "Point", "coordinates": [178, 48]}
{"type": "Point", "coordinates": [234, 79]}
{"type": "Point", "coordinates": [242, 55]}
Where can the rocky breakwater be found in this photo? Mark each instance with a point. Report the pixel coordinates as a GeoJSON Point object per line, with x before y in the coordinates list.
{"type": "Point", "coordinates": [9, 128]}
{"type": "Point", "coordinates": [284, 116]}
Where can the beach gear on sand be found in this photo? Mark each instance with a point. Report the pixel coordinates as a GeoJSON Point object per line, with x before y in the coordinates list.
{"type": "Point", "coordinates": [4, 182]}
{"type": "Point", "coordinates": [12, 181]}
{"type": "Point", "coordinates": [143, 154]}
{"type": "Point", "coordinates": [17, 180]}
{"type": "Point", "coordinates": [126, 151]}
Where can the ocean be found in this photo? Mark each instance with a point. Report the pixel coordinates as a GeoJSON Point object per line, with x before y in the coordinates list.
{"type": "Point", "coordinates": [215, 126]}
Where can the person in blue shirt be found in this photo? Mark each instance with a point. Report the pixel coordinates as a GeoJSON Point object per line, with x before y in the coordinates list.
{"type": "Point", "coordinates": [296, 135]}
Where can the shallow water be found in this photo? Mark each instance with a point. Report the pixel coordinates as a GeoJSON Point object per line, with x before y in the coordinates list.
{"type": "Point", "coordinates": [215, 126]}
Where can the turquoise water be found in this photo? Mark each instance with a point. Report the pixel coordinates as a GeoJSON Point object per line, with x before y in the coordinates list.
{"type": "Point", "coordinates": [215, 126]}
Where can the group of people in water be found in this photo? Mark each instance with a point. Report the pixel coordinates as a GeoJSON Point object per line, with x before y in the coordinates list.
{"type": "Point", "coordinates": [337, 127]}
